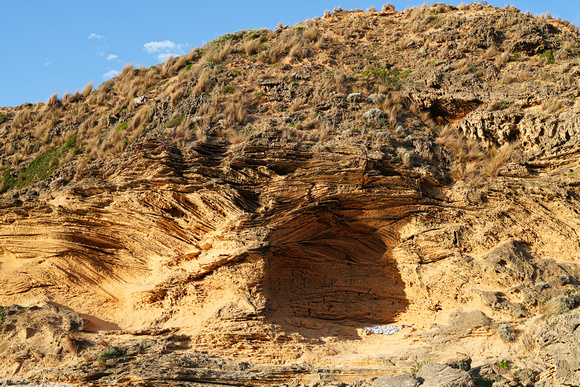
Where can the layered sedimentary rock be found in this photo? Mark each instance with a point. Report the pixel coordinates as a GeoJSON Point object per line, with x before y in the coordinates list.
{"type": "Point", "coordinates": [442, 200]}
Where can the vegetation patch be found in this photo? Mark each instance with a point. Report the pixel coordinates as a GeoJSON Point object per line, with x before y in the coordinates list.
{"type": "Point", "coordinates": [392, 78]}
{"type": "Point", "coordinates": [228, 89]}
{"type": "Point", "coordinates": [239, 35]}
{"type": "Point", "coordinates": [122, 126]}
{"type": "Point", "coordinates": [109, 353]}
{"type": "Point", "coordinates": [106, 354]}
{"type": "Point", "coordinates": [416, 368]}
{"type": "Point", "coordinates": [505, 365]}
{"type": "Point", "coordinates": [248, 130]}
{"type": "Point", "coordinates": [175, 122]}
{"type": "Point", "coordinates": [549, 56]}
{"type": "Point", "coordinates": [40, 168]}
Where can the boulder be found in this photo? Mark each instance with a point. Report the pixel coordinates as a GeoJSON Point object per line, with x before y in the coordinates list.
{"type": "Point", "coordinates": [404, 380]}
{"type": "Point", "coordinates": [441, 375]}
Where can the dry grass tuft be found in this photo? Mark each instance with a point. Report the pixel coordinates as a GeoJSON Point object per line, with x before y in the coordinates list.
{"type": "Point", "coordinates": [406, 157]}
{"type": "Point", "coordinates": [54, 117]}
{"type": "Point", "coordinates": [204, 83]}
{"type": "Point", "coordinates": [8, 149]}
{"type": "Point", "coordinates": [552, 105]}
{"type": "Point", "coordinates": [22, 118]}
{"type": "Point", "coordinates": [297, 104]}
{"type": "Point", "coordinates": [53, 101]}
{"type": "Point", "coordinates": [394, 107]}
{"type": "Point", "coordinates": [239, 111]}
{"type": "Point", "coordinates": [470, 162]}
{"type": "Point", "coordinates": [298, 50]}
{"type": "Point", "coordinates": [491, 53]}
{"type": "Point", "coordinates": [557, 305]}
{"type": "Point", "coordinates": [311, 33]}
{"type": "Point", "coordinates": [217, 54]}
{"type": "Point", "coordinates": [88, 90]}
{"type": "Point", "coordinates": [177, 96]}
{"type": "Point", "coordinates": [127, 71]}
{"type": "Point", "coordinates": [497, 159]}
{"type": "Point", "coordinates": [251, 46]}
{"type": "Point", "coordinates": [235, 136]}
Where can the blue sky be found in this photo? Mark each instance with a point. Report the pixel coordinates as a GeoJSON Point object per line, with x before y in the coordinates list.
{"type": "Point", "coordinates": [59, 46]}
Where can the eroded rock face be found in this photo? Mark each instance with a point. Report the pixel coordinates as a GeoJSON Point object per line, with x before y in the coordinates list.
{"type": "Point", "coordinates": [559, 341]}
{"type": "Point", "coordinates": [208, 260]}
{"type": "Point", "coordinates": [546, 139]}
{"type": "Point", "coordinates": [304, 221]}
{"type": "Point", "coordinates": [271, 243]}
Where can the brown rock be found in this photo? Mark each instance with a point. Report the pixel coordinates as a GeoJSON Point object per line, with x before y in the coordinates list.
{"type": "Point", "coordinates": [25, 333]}
{"type": "Point", "coordinates": [440, 375]}
{"type": "Point", "coordinates": [405, 380]}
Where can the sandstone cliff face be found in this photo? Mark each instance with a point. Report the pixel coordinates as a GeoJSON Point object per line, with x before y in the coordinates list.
{"type": "Point", "coordinates": [313, 242]}
{"type": "Point", "coordinates": [256, 254]}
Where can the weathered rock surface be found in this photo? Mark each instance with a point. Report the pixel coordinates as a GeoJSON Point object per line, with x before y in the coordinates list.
{"type": "Point", "coordinates": [259, 256]}
{"type": "Point", "coordinates": [560, 341]}
{"type": "Point", "coordinates": [405, 380]}
{"type": "Point", "coordinates": [440, 375]}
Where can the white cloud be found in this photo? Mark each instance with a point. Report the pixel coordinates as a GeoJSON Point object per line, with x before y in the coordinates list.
{"type": "Point", "coordinates": [165, 46]}
{"type": "Point", "coordinates": [165, 49]}
{"type": "Point", "coordinates": [112, 57]}
{"type": "Point", "coordinates": [110, 74]}
{"type": "Point", "coordinates": [95, 36]}
{"type": "Point", "coordinates": [164, 57]}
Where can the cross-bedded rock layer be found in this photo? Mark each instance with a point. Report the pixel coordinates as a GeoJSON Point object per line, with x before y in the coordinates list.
{"type": "Point", "coordinates": [258, 254]}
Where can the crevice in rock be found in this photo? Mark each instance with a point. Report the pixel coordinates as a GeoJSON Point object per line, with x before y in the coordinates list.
{"type": "Point", "coordinates": [452, 110]}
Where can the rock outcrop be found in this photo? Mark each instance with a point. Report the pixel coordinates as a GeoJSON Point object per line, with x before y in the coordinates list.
{"type": "Point", "coordinates": [242, 223]}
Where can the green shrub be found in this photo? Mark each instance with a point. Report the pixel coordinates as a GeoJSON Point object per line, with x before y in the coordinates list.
{"type": "Point", "coordinates": [239, 35]}
{"type": "Point", "coordinates": [175, 122]}
{"type": "Point", "coordinates": [228, 89]}
{"type": "Point", "coordinates": [122, 126]}
{"type": "Point", "coordinates": [505, 365]}
{"type": "Point", "coordinates": [2, 118]}
{"type": "Point", "coordinates": [261, 47]}
{"type": "Point", "coordinates": [549, 55]}
{"type": "Point", "coordinates": [109, 353]}
{"type": "Point", "coordinates": [248, 130]}
{"type": "Point", "coordinates": [416, 368]}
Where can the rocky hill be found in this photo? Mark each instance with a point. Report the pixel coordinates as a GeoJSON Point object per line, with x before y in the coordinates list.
{"type": "Point", "coordinates": [241, 214]}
